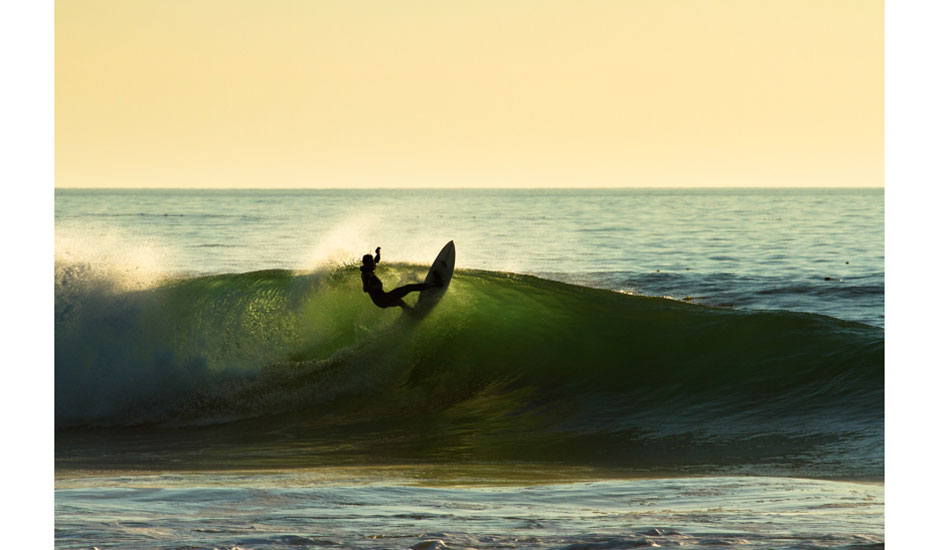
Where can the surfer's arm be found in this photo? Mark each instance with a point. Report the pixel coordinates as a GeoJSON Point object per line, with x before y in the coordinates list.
{"type": "Point", "coordinates": [376, 259]}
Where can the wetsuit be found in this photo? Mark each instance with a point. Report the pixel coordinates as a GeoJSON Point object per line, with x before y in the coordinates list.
{"type": "Point", "coordinates": [374, 287]}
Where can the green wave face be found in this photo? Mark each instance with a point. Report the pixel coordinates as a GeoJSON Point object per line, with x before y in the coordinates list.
{"type": "Point", "coordinates": [298, 369]}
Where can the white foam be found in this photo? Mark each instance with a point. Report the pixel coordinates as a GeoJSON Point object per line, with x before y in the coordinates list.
{"type": "Point", "coordinates": [129, 263]}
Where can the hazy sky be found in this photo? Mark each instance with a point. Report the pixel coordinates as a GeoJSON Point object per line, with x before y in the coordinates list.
{"type": "Point", "coordinates": [313, 93]}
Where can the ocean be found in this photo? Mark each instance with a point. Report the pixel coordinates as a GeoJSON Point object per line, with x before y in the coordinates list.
{"type": "Point", "coordinates": [608, 369]}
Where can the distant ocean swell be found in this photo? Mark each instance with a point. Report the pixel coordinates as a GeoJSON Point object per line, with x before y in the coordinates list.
{"type": "Point", "coordinates": [300, 367]}
{"type": "Point", "coordinates": [854, 297]}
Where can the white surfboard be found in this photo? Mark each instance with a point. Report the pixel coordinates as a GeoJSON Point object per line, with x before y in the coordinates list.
{"type": "Point", "coordinates": [441, 271]}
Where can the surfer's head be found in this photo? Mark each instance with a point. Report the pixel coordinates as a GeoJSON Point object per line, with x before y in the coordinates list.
{"type": "Point", "coordinates": [368, 261]}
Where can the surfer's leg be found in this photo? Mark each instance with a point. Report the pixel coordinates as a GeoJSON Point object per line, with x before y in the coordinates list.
{"type": "Point", "coordinates": [400, 293]}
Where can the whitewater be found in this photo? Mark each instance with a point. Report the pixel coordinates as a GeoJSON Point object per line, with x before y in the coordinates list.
{"type": "Point", "coordinates": [609, 369]}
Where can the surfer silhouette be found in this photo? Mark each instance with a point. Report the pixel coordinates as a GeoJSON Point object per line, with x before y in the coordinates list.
{"type": "Point", "coordinates": [374, 287]}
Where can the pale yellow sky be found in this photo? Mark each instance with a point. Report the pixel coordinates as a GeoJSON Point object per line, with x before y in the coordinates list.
{"type": "Point", "coordinates": [513, 93]}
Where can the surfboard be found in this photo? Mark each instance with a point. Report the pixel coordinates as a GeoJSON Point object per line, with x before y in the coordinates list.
{"type": "Point", "coordinates": [442, 269]}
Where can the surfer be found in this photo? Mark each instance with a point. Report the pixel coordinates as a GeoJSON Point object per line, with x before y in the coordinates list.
{"type": "Point", "coordinates": [374, 287]}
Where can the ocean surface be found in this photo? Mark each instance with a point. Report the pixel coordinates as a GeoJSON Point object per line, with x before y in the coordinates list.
{"type": "Point", "coordinates": [608, 369]}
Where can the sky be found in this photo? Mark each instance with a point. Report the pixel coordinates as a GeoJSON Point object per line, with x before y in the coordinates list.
{"type": "Point", "coordinates": [513, 93]}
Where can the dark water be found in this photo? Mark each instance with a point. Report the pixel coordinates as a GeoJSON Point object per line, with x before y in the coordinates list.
{"type": "Point", "coordinates": [508, 367]}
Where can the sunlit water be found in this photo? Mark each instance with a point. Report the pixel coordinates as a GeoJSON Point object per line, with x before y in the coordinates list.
{"type": "Point", "coordinates": [818, 251]}
{"type": "Point", "coordinates": [305, 511]}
